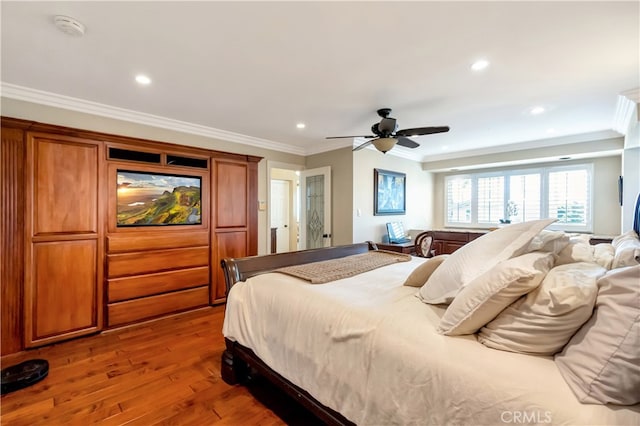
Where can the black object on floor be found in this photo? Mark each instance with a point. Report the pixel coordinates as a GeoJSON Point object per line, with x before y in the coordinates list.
{"type": "Point", "coordinates": [24, 374]}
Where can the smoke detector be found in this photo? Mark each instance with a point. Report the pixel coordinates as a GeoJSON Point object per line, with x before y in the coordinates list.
{"type": "Point", "coordinates": [69, 25]}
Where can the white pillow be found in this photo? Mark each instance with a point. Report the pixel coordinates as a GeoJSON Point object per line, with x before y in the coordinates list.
{"type": "Point", "coordinates": [543, 321]}
{"type": "Point", "coordinates": [627, 253]}
{"type": "Point", "coordinates": [549, 241]}
{"type": "Point", "coordinates": [477, 257]}
{"type": "Point", "coordinates": [629, 235]}
{"type": "Point", "coordinates": [578, 250]}
{"type": "Point", "coordinates": [603, 254]}
{"type": "Point", "coordinates": [485, 297]}
{"type": "Point", "coordinates": [601, 363]}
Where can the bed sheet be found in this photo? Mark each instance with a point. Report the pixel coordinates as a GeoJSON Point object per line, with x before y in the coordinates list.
{"type": "Point", "coordinates": [367, 347]}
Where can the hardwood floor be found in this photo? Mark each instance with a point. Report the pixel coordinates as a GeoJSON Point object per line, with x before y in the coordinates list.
{"type": "Point", "coordinates": [163, 372]}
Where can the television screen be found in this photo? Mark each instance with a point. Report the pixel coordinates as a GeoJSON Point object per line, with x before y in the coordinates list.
{"type": "Point", "coordinates": [155, 199]}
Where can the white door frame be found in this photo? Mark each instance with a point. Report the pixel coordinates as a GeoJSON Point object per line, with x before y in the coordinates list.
{"type": "Point", "coordinates": [276, 165]}
{"type": "Point", "coordinates": [327, 237]}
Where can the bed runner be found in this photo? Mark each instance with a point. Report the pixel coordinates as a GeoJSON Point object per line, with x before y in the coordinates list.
{"type": "Point", "coordinates": [344, 267]}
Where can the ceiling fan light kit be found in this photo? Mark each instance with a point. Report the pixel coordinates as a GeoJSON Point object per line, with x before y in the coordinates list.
{"type": "Point", "coordinates": [384, 144]}
{"type": "Point", "coordinates": [386, 136]}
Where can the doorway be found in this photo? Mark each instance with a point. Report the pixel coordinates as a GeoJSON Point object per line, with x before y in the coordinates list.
{"type": "Point", "coordinates": [284, 217]}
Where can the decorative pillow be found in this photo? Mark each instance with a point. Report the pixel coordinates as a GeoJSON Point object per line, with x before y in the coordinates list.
{"type": "Point", "coordinates": [601, 363]}
{"type": "Point", "coordinates": [485, 297]}
{"type": "Point", "coordinates": [549, 241]}
{"type": "Point", "coordinates": [543, 321]}
{"type": "Point", "coordinates": [421, 274]}
{"type": "Point", "coordinates": [477, 257]}
{"type": "Point", "coordinates": [627, 252]}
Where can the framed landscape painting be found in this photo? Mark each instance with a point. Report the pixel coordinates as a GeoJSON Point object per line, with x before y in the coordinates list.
{"type": "Point", "coordinates": [155, 199]}
{"type": "Point", "coordinates": [389, 192]}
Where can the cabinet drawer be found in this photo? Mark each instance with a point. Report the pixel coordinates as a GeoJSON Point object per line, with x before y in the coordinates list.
{"type": "Point", "coordinates": [148, 307]}
{"type": "Point", "coordinates": [147, 285]}
{"type": "Point", "coordinates": [450, 247]}
{"type": "Point", "coordinates": [451, 236]}
{"type": "Point", "coordinates": [120, 265]}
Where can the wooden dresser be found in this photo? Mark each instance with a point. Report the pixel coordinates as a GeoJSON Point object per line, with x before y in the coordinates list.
{"type": "Point", "coordinates": [446, 242]}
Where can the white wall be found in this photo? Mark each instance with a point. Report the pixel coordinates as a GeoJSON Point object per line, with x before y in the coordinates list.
{"type": "Point", "coordinates": [419, 195]}
{"type": "Point", "coordinates": [631, 170]}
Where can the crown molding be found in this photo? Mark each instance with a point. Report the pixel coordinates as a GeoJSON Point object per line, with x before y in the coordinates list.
{"type": "Point", "coordinates": [625, 107]}
{"type": "Point", "coordinates": [26, 94]}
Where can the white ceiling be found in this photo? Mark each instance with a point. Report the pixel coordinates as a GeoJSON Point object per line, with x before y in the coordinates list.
{"type": "Point", "coordinates": [258, 68]}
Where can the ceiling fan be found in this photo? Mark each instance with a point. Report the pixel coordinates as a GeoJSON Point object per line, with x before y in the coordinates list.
{"type": "Point", "coordinates": [386, 136]}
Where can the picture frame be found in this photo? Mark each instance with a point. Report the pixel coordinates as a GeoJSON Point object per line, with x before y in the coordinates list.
{"type": "Point", "coordinates": [389, 192]}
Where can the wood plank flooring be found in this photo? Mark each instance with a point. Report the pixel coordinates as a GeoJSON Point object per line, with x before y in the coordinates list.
{"type": "Point", "coordinates": [164, 372]}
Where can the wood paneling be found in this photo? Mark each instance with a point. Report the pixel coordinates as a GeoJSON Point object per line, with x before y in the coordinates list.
{"type": "Point", "coordinates": [65, 186]}
{"type": "Point", "coordinates": [12, 152]}
{"type": "Point", "coordinates": [227, 244]}
{"type": "Point", "coordinates": [166, 239]}
{"type": "Point", "coordinates": [146, 285]}
{"type": "Point", "coordinates": [230, 193]}
{"type": "Point", "coordinates": [145, 262]}
{"type": "Point", "coordinates": [62, 299]}
{"type": "Point", "coordinates": [148, 307]}
{"type": "Point", "coordinates": [64, 246]}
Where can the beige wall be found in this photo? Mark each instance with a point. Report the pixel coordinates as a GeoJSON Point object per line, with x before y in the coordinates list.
{"type": "Point", "coordinates": [63, 117]}
{"type": "Point", "coordinates": [419, 184]}
{"type": "Point", "coordinates": [341, 190]}
{"type": "Point", "coordinates": [606, 215]}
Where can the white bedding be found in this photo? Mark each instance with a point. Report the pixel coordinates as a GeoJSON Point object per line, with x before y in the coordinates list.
{"type": "Point", "coordinates": [368, 348]}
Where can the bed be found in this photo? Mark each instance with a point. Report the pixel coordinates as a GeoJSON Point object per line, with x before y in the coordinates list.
{"type": "Point", "coordinates": [367, 349]}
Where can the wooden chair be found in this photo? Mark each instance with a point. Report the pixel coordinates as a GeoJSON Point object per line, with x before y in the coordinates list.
{"type": "Point", "coordinates": [424, 241]}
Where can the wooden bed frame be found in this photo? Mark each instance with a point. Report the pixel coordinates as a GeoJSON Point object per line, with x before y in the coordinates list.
{"type": "Point", "coordinates": [239, 362]}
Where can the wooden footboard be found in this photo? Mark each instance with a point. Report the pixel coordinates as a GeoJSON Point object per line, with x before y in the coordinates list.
{"type": "Point", "coordinates": [238, 362]}
{"type": "Point", "coordinates": [240, 269]}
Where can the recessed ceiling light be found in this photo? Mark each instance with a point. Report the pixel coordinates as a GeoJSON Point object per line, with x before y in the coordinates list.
{"type": "Point", "coordinates": [444, 147]}
{"type": "Point", "coordinates": [301, 125]}
{"type": "Point", "coordinates": [564, 158]}
{"type": "Point", "coordinates": [536, 110]}
{"type": "Point", "coordinates": [551, 130]}
{"type": "Point", "coordinates": [480, 65]}
{"type": "Point", "coordinates": [143, 79]}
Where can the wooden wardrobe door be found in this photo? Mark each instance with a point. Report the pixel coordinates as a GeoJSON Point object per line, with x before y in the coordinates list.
{"type": "Point", "coordinates": [64, 248]}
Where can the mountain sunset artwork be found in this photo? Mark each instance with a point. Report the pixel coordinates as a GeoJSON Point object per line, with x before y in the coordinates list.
{"type": "Point", "coordinates": [147, 199]}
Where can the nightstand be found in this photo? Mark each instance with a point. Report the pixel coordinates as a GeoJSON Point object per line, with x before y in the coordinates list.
{"type": "Point", "coordinates": [407, 248]}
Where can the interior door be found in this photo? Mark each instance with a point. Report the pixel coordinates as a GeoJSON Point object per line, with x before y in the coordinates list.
{"type": "Point", "coordinates": [280, 190]}
{"type": "Point", "coordinates": [315, 210]}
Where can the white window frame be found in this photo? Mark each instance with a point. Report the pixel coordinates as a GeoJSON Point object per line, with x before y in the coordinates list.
{"type": "Point", "coordinates": [544, 195]}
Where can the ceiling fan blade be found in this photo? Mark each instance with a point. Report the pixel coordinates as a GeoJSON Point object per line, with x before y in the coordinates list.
{"type": "Point", "coordinates": [362, 145]}
{"type": "Point", "coordinates": [358, 136]}
{"type": "Point", "coordinates": [407, 143]}
{"type": "Point", "coordinates": [422, 131]}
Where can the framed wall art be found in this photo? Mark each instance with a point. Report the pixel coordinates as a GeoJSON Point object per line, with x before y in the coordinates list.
{"type": "Point", "coordinates": [389, 192]}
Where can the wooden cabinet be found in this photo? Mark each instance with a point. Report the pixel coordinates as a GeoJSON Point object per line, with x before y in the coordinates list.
{"type": "Point", "coordinates": [63, 261]}
{"type": "Point", "coordinates": [68, 269]}
{"type": "Point", "coordinates": [407, 248]}
{"type": "Point", "coordinates": [234, 207]}
{"type": "Point", "coordinates": [446, 242]}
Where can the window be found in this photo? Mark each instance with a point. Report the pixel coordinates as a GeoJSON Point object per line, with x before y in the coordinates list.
{"type": "Point", "coordinates": [487, 199]}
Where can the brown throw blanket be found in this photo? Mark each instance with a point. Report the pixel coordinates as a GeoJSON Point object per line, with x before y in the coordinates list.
{"type": "Point", "coordinates": [344, 267]}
